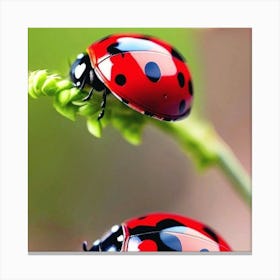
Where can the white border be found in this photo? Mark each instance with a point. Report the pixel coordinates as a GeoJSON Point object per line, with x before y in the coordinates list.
{"type": "Point", "coordinates": [17, 16]}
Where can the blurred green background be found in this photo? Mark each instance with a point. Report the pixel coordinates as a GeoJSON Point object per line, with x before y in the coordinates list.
{"type": "Point", "coordinates": [79, 186]}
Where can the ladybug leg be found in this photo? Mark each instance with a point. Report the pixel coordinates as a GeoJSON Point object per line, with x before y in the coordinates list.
{"type": "Point", "coordinates": [81, 86]}
{"type": "Point", "coordinates": [88, 97]}
{"type": "Point", "coordinates": [103, 103]}
{"type": "Point", "coordinates": [85, 246]}
{"type": "Point", "coordinates": [94, 248]}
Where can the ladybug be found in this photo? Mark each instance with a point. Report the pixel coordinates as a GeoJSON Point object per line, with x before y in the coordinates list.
{"type": "Point", "coordinates": [160, 232]}
{"type": "Point", "coordinates": [145, 73]}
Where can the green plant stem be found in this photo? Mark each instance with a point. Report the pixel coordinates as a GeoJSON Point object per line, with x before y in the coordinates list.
{"type": "Point", "coordinates": [199, 140]}
{"type": "Point", "coordinates": [235, 172]}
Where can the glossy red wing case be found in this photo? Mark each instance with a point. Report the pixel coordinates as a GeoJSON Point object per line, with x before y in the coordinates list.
{"type": "Point", "coordinates": [165, 232]}
{"type": "Point", "coordinates": [146, 74]}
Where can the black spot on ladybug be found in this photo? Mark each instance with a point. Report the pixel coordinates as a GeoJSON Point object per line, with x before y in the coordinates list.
{"type": "Point", "coordinates": [120, 79]}
{"type": "Point", "coordinates": [182, 106]}
{"type": "Point", "coordinates": [148, 114]}
{"type": "Point", "coordinates": [167, 119]}
{"type": "Point", "coordinates": [112, 49]}
{"type": "Point", "coordinates": [105, 38]}
{"type": "Point", "coordinates": [125, 101]}
{"type": "Point", "coordinates": [146, 37]}
{"type": "Point", "coordinates": [211, 233]}
{"type": "Point", "coordinates": [181, 79]}
{"type": "Point", "coordinates": [152, 71]}
{"type": "Point", "coordinates": [142, 218]}
{"type": "Point", "coordinates": [140, 230]}
{"type": "Point", "coordinates": [190, 87]}
{"type": "Point", "coordinates": [166, 223]}
{"type": "Point", "coordinates": [177, 55]}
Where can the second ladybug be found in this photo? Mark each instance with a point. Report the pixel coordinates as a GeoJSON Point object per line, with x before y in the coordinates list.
{"type": "Point", "coordinates": [145, 73]}
{"type": "Point", "coordinates": [159, 232]}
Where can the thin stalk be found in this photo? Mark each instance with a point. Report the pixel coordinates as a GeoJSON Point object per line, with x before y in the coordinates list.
{"type": "Point", "coordinates": [200, 141]}
{"type": "Point", "coordinates": [234, 171]}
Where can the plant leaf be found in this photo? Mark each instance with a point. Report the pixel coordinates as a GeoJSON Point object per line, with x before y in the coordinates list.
{"type": "Point", "coordinates": [130, 126]}
{"type": "Point", "coordinates": [69, 110]}
{"type": "Point", "coordinates": [94, 126]}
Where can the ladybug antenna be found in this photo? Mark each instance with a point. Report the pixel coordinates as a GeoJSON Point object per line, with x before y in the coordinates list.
{"type": "Point", "coordinates": [95, 246]}
{"type": "Point", "coordinates": [85, 246]}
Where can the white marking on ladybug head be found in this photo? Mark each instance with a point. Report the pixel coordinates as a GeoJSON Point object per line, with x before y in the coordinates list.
{"type": "Point", "coordinates": [80, 55]}
{"type": "Point", "coordinates": [120, 238]}
{"type": "Point", "coordinates": [79, 70]}
{"type": "Point", "coordinates": [115, 228]}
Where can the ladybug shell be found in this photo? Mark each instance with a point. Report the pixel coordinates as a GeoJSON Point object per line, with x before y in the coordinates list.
{"type": "Point", "coordinates": [146, 74]}
{"type": "Point", "coordinates": [171, 232]}
{"type": "Point", "coordinates": [161, 232]}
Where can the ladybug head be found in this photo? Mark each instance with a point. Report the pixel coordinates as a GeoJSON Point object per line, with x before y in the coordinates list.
{"type": "Point", "coordinates": [82, 73]}
{"type": "Point", "coordinates": [111, 241]}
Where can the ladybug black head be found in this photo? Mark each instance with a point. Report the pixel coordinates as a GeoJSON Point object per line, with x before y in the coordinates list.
{"type": "Point", "coordinates": [82, 73]}
{"type": "Point", "coordinates": [110, 241]}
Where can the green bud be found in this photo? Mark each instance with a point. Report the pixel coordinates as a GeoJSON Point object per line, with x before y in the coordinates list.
{"type": "Point", "coordinates": [50, 85]}
{"type": "Point", "coordinates": [130, 126]}
{"type": "Point", "coordinates": [64, 84]}
{"type": "Point", "coordinates": [87, 109]}
{"type": "Point", "coordinates": [63, 97]}
{"type": "Point", "coordinates": [38, 80]}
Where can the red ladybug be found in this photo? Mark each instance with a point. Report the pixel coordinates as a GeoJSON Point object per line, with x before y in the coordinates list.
{"type": "Point", "coordinates": [160, 232]}
{"type": "Point", "coordinates": [145, 73]}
